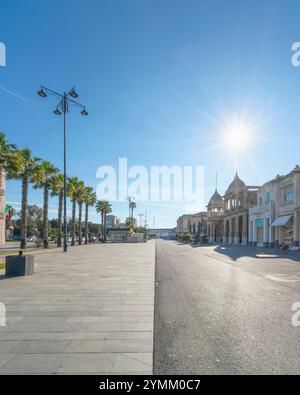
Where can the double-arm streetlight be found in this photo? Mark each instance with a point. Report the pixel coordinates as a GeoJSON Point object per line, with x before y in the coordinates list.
{"type": "Point", "coordinates": [65, 100]}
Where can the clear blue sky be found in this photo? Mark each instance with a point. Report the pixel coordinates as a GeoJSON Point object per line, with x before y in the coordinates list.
{"type": "Point", "coordinates": [158, 77]}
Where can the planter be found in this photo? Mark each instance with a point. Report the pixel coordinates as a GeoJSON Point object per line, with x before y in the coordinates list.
{"type": "Point", "coordinates": [19, 265]}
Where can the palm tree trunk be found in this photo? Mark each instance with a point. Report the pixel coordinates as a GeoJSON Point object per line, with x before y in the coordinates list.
{"type": "Point", "coordinates": [24, 213]}
{"type": "Point", "coordinates": [45, 217]}
{"type": "Point", "coordinates": [80, 224]}
{"type": "Point", "coordinates": [73, 221]}
{"type": "Point", "coordinates": [86, 223]}
{"type": "Point", "coordinates": [59, 219]}
{"type": "Point", "coordinates": [104, 227]}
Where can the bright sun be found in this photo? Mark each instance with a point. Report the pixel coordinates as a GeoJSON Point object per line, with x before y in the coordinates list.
{"type": "Point", "coordinates": [237, 136]}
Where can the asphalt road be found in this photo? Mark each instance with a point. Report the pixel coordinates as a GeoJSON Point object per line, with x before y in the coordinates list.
{"type": "Point", "coordinates": [225, 311]}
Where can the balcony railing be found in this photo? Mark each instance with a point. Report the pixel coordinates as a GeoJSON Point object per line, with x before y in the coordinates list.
{"type": "Point", "coordinates": [215, 214]}
{"type": "Point", "coordinates": [234, 209]}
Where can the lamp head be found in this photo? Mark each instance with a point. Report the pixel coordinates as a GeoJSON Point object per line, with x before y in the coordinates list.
{"type": "Point", "coordinates": [73, 93]}
{"type": "Point", "coordinates": [57, 112]}
{"type": "Point", "coordinates": [42, 93]}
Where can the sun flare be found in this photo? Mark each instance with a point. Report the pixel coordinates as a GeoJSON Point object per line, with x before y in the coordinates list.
{"type": "Point", "coordinates": [237, 136]}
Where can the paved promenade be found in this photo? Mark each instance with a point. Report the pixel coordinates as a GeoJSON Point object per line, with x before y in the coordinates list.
{"type": "Point", "coordinates": [89, 311]}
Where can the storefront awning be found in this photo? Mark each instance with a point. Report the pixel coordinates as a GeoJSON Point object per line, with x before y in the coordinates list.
{"type": "Point", "coordinates": [281, 221]}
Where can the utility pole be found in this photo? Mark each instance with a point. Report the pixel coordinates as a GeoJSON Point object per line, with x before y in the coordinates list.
{"type": "Point", "coordinates": [141, 215]}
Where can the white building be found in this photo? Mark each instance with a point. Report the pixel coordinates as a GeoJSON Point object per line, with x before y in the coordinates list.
{"type": "Point", "coordinates": [262, 216]}
{"type": "Point", "coordinates": [275, 220]}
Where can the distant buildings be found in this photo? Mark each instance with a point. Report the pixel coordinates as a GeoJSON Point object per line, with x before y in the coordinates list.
{"type": "Point", "coordinates": [161, 233]}
{"type": "Point", "coordinates": [193, 223]}
{"type": "Point", "coordinates": [2, 207]}
{"type": "Point", "coordinates": [265, 216]}
{"type": "Point", "coordinates": [124, 235]}
{"type": "Point", "coordinates": [112, 221]}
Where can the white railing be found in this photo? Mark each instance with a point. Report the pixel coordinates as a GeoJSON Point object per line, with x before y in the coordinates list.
{"type": "Point", "coordinates": [215, 214]}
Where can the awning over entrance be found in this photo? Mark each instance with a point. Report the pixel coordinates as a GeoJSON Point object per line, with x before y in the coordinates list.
{"type": "Point", "coordinates": [281, 221]}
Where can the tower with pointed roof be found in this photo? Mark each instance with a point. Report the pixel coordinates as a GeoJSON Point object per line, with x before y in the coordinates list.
{"type": "Point", "coordinates": [215, 212]}
{"type": "Point", "coordinates": [238, 199]}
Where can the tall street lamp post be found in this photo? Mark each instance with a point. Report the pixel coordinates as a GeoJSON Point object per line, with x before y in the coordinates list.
{"type": "Point", "coordinates": [65, 100]}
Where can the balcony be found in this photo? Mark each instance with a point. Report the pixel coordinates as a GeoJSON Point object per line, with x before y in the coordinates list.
{"type": "Point", "coordinates": [215, 214]}
{"type": "Point", "coordinates": [233, 209]}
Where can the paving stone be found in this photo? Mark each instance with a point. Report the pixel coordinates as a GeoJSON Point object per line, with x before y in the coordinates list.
{"type": "Point", "coordinates": [33, 363]}
{"type": "Point", "coordinates": [88, 311]}
{"type": "Point", "coordinates": [125, 345]}
{"type": "Point", "coordinates": [88, 363]}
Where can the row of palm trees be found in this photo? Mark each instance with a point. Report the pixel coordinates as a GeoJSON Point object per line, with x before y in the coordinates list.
{"type": "Point", "coordinates": [103, 207]}
{"type": "Point", "coordinates": [20, 164]}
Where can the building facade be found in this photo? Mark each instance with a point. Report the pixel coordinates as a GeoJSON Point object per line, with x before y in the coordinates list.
{"type": "Point", "coordinates": [275, 220]}
{"type": "Point", "coordinates": [2, 207]}
{"type": "Point", "coordinates": [193, 223]}
{"type": "Point", "coordinates": [215, 214]}
{"type": "Point", "coordinates": [161, 233]}
{"type": "Point", "coordinates": [265, 216]}
{"type": "Point", "coordinates": [112, 221]}
{"type": "Point", "coordinates": [262, 215]}
{"type": "Point", "coordinates": [238, 199]}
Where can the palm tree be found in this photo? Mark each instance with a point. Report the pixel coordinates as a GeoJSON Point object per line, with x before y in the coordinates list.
{"type": "Point", "coordinates": [108, 210]}
{"type": "Point", "coordinates": [57, 189]}
{"type": "Point", "coordinates": [129, 223]}
{"type": "Point", "coordinates": [103, 207]}
{"type": "Point", "coordinates": [80, 201]}
{"type": "Point", "coordinates": [132, 206]}
{"type": "Point", "coordinates": [6, 151]}
{"type": "Point", "coordinates": [23, 167]}
{"type": "Point", "coordinates": [72, 193]}
{"type": "Point", "coordinates": [89, 200]}
{"type": "Point", "coordinates": [43, 178]}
